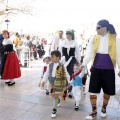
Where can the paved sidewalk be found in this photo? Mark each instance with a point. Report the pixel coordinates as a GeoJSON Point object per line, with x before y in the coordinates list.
{"type": "Point", "coordinates": [25, 100]}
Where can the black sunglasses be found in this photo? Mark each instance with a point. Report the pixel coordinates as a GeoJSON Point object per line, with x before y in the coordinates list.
{"type": "Point", "coordinates": [98, 28]}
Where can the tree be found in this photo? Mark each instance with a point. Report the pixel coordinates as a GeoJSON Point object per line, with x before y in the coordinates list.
{"type": "Point", "coordinates": [13, 7]}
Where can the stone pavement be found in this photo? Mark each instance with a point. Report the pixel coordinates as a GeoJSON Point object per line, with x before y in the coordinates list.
{"type": "Point", "coordinates": [25, 100]}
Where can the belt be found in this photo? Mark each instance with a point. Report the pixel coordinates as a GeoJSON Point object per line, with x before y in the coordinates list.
{"type": "Point", "coordinates": [9, 52]}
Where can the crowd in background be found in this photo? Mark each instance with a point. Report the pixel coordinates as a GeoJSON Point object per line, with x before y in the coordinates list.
{"type": "Point", "coordinates": [38, 46]}
{"type": "Point", "coordinates": [64, 68]}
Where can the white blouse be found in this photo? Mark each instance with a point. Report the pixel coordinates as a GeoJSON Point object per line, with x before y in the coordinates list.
{"type": "Point", "coordinates": [71, 44]}
{"type": "Point", "coordinates": [7, 41]}
{"type": "Point", "coordinates": [103, 49]}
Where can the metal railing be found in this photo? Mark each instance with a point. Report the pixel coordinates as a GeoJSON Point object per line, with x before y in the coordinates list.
{"type": "Point", "coordinates": [23, 53]}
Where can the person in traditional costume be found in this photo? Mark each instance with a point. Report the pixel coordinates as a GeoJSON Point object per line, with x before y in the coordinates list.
{"type": "Point", "coordinates": [76, 82]}
{"type": "Point", "coordinates": [10, 64]}
{"type": "Point", "coordinates": [46, 61]}
{"type": "Point", "coordinates": [70, 52]}
{"type": "Point", "coordinates": [58, 78]}
{"type": "Point", "coordinates": [104, 50]}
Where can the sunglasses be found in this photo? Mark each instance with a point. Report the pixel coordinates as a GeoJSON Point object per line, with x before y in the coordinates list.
{"type": "Point", "coordinates": [98, 28]}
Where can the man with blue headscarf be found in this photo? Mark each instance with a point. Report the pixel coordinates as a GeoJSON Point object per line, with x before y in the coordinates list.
{"type": "Point", "coordinates": [104, 50]}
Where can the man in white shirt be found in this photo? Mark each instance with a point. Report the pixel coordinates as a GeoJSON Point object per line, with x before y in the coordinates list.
{"type": "Point", "coordinates": [56, 42]}
{"type": "Point", "coordinates": [104, 50]}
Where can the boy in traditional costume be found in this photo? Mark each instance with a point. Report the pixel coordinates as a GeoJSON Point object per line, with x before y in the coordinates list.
{"type": "Point", "coordinates": [58, 78]}
{"type": "Point", "coordinates": [104, 50]}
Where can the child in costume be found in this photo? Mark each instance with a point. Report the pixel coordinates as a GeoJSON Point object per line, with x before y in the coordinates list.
{"type": "Point", "coordinates": [76, 82]}
{"type": "Point", "coordinates": [46, 61]}
{"type": "Point", "coordinates": [58, 78]}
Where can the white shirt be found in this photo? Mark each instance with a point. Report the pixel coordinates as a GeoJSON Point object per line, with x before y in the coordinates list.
{"type": "Point", "coordinates": [7, 41]}
{"type": "Point", "coordinates": [71, 44]}
{"type": "Point", "coordinates": [54, 69]}
{"type": "Point", "coordinates": [55, 44]}
{"type": "Point", "coordinates": [46, 75]}
{"type": "Point", "coordinates": [103, 49]}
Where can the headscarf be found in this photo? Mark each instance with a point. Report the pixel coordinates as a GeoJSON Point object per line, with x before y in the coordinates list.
{"type": "Point", "coordinates": [105, 23]}
{"type": "Point", "coordinates": [71, 32]}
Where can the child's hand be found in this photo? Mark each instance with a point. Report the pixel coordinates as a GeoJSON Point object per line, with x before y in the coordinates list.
{"type": "Point", "coordinates": [43, 84]}
{"type": "Point", "coordinates": [68, 86]}
{"type": "Point", "coordinates": [119, 74]}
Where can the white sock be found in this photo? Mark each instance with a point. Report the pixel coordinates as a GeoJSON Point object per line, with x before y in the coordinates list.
{"type": "Point", "coordinates": [7, 81]}
{"type": "Point", "coordinates": [77, 103]}
{"type": "Point", "coordinates": [12, 80]}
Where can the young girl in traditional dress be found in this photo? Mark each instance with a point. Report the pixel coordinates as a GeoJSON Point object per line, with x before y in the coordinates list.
{"type": "Point", "coordinates": [10, 64]}
{"type": "Point", "coordinates": [46, 61]}
{"type": "Point", "coordinates": [76, 82]}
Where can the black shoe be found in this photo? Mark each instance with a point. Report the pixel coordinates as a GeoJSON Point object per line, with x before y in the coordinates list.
{"type": "Point", "coordinates": [53, 115]}
{"type": "Point", "coordinates": [76, 108]}
{"type": "Point", "coordinates": [7, 82]}
{"type": "Point", "coordinates": [70, 96]}
{"type": "Point", "coordinates": [47, 92]}
{"type": "Point", "coordinates": [58, 103]}
{"type": "Point", "coordinates": [11, 83]}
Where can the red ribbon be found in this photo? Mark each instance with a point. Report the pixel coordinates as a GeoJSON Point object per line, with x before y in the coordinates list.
{"type": "Point", "coordinates": [73, 76]}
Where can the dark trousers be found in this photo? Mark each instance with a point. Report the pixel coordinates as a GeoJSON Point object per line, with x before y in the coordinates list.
{"type": "Point", "coordinates": [40, 53]}
{"type": "Point", "coordinates": [35, 54]}
{"type": "Point", "coordinates": [102, 79]}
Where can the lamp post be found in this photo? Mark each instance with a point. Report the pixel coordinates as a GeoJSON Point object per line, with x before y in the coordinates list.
{"type": "Point", "coordinates": [7, 22]}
